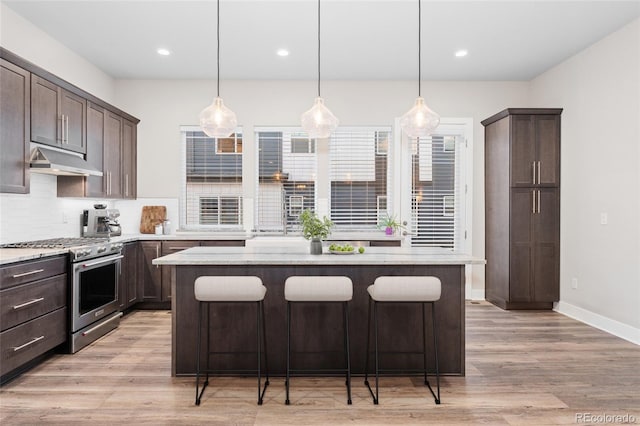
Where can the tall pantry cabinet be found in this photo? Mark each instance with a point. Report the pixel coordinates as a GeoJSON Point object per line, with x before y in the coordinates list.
{"type": "Point", "coordinates": [522, 208]}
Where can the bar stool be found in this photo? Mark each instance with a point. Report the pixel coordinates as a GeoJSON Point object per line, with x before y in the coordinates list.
{"type": "Point", "coordinates": [403, 289]}
{"type": "Point", "coordinates": [319, 289]}
{"type": "Point", "coordinates": [225, 289]}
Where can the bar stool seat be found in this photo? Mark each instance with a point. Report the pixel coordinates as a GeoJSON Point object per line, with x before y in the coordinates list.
{"type": "Point", "coordinates": [404, 289]}
{"type": "Point", "coordinates": [226, 289]}
{"type": "Point", "coordinates": [319, 289]}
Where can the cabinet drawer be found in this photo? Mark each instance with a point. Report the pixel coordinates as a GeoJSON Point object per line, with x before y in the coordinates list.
{"type": "Point", "coordinates": [28, 301]}
{"type": "Point", "coordinates": [24, 272]}
{"type": "Point", "coordinates": [21, 344]}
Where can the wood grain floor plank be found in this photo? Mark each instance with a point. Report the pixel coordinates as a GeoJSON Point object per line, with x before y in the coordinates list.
{"type": "Point", "coordinates": [523, 368]}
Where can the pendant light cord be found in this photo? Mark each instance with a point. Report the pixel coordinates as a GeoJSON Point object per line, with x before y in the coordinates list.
{"type": "Point", "coordinates": [419, 47]}
{"type": "Point", "coordinates": [218, 42]}
{"type": "Point", "coordinates": [318, 48]}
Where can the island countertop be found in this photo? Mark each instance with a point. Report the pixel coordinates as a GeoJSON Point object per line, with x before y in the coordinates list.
{"type": "Point", "coordinates": [299, 255]}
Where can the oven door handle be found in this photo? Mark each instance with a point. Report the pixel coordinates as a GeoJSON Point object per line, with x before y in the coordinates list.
{"type": "Point", "coordinates": [100, 262]}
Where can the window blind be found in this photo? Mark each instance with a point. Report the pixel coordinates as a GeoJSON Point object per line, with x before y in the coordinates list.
{"type": "Point", "coordinates": [437, 191]}
{"type": "Point", "coordinates": [286, 184]}
{"type": "Point", "coordinates": [358, 169]}
{"type": "Point", "coordinates": [211, 195]}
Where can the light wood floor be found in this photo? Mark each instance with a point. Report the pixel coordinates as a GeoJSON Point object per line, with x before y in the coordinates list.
{"type": "Point", "coordinates": [525, 368]}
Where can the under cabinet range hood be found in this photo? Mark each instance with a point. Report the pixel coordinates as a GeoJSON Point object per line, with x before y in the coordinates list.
{"type": "Point", "coordinates": [49, 161]}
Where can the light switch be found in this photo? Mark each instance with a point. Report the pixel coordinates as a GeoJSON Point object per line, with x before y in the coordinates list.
{"type": "Point", "coordinates": [603, 218]}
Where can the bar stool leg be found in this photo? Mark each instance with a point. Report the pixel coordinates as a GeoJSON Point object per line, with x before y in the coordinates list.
{"type": "Point", "coordinates": [366, 362]}
{"type": "Point", "coordinates": [345, 311]}
{"type": "Point", "coordinates": [286, 383]}
{"type": "Point", "coordinates": [264, 342]}
{"type": "Point", "coordinates": [198, 352]}
{"type": "Point", "coordinates": [375, 327]}
{"type": "Point", "coordinates": [424, 346]}
{"type": "Point", "coordinates": [258, 345]}
{"type": "Point", "coordinates": [435, 351]}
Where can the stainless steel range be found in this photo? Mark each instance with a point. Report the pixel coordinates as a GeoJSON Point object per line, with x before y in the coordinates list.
{"type": "Point", "coordinates": [93, 285]}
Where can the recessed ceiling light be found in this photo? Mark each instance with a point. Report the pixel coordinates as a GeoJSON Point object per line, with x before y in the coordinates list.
{"type": "Point", "coordinates": [461, 53]}
{"type": "Point", "coordinates": [164, 52]}
{"type": "Point", "coordinates": [282, 52]}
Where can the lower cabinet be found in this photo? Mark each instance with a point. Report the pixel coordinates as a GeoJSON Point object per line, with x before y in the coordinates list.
{"type": "Point", "coordinates": [169, 272]}
{"type": "Point", "coordinates": [128, 288]}
{"type": "Point", "coordinates": [33, 312]}
{"type": "Point", "coordinates": [150, 276]}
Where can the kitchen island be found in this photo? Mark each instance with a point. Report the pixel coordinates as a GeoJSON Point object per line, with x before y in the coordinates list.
{"type": "Point", "coordinates": [233, 325]}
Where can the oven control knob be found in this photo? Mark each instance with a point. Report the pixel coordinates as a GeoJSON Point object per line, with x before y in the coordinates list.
{"type": "Point", "coordinates": [102, 249]}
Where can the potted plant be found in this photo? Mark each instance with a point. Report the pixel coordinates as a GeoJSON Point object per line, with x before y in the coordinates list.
{"type": "Point", "coordinates": [390, 224]}
{"type": "Point", "coordinates": [315, 229]}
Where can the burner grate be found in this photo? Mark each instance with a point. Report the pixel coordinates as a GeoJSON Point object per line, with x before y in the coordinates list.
{"type": "Point", "coordinates": [56, 243]}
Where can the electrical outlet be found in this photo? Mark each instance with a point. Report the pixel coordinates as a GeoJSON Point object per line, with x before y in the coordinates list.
{"type": "Point", "coordinates": [604, 218]}
{"type": "Point", "coordinates": [65, 218]}
{"type": "Point", "coordinates": [574, 283]}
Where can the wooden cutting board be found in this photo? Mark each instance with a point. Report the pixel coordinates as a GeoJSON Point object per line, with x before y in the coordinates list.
{"type": "Point", "coordinates": [151, 216]}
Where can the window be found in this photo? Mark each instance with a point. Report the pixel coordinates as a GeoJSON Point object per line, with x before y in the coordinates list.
{"type": "Point", "coordinates": [286, 182]}
{"type": "Point", "coordinates": [438, 191]}
{"type": "Point", "coordinates": [230, 145]}
{"type": "Point", "coordinates": [211, 195]}
{"type": "Point", "coordinates": [358, 168]}
{"type": "Point", "coordinates": [302, 145]}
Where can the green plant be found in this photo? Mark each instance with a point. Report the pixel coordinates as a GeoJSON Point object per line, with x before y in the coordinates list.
{"type": "Point", "coordinates": [389, 221]}
{"type": "Point", "coordinates": [313, 227]}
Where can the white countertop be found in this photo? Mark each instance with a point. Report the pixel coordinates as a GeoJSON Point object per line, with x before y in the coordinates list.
{"type": "Point", "coordinates": [299, 255]}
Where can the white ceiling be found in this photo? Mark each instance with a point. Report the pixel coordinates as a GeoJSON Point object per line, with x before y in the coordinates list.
{"type": "Point", "coordinates": [374, 39]}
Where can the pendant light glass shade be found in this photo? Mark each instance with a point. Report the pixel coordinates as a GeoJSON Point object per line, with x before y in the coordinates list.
{"type": "Point", "coordinates": [420, 121]}
{"type": "Point", "coordinates": [217, 120]}
{"type": "Point", "coordinates": [318, 121]}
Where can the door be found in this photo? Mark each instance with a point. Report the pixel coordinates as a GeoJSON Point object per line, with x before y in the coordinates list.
{"type": "Point", "coordinates": [15, 98]}
{"type": "Point", "coordinates": [523, 151]}
{"type": "Point", "coordinates": [546, 248]}
{"type": "Point", "coordinates": [112, 160]}
{"type": "Point", "coordinates": [73, 109]}
{"type": "Point", "coordinates": [548, 150]}
{"type": "Point", "coordinates": [523, 204]}
{"type": "Point", "coordinates": [128, 159]}
{"type": "Point", "coordinates": [150, 275]}
{"type": "Point", "coordinates": [95, 149]}
{"type": "Point", "coordinates": [44, 112]}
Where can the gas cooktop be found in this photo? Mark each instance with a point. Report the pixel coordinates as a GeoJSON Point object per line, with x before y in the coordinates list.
{"type": "Point", "coordinates": [56, 243]}
{"type": "Point", "coordinates": [80, 248]}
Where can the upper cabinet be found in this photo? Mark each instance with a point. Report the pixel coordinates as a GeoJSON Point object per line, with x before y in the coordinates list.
{"type": "Point", "coordinates": [58, 117]}
{"type": "Point", "coordinates": [535, 149]}
{"type": "Point", "coordinates": [37, 106]}
{"type": "Point", "coordinates": [14, 128]}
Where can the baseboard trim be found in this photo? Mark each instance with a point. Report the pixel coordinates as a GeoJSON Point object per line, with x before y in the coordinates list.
{"type": "Point", "coordinates": [598, 321]}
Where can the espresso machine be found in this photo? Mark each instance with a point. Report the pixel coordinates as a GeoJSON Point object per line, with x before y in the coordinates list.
{"type": "Point", "coordinates": [101, 222]}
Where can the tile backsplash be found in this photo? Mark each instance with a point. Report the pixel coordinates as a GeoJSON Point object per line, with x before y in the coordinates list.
{"type": "Point", "coordinates": [41, 214]}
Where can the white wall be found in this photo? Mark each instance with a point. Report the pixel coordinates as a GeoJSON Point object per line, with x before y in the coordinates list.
{"type": "Point", "coordinates": [599, 89]}
{"type": "Point", "coordinates": [29, 42]}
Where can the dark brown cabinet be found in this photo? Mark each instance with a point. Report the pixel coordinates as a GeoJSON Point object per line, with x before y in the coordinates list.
{"type": "Point", "coordinates": [128, 281]}
{"type": "Point", "coordinates": [129, 159]}
{"type": "Point", "coordinates": [522, 208]}
{"type": "Point", "coordinates": [58, 116]}
{"type": "Point", "coordinates": [95, 147]}
{"type": "Point", "coordinates": [169, 272]}
{"type": "Point", "coordinates": [150, 275]}
{"type": "Point", "coordinates": [33, 312]}
{"type": "Point", "coordinates": [112, 149]}
{"type": "Point", "coordinates": [15, 101]}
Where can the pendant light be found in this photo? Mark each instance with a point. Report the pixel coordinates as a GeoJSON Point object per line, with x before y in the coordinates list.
{"type": "Point", "coordinates": [318, 121]}
{"type": "Point", "coordinates": [419, 121]}
{"type": "Point", "coordinates": [217, 120]}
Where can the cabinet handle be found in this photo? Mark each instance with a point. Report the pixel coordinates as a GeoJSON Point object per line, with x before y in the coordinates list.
{"type": "Point", "coordinates": [24, 274]}
{"type": "Point", "coordinates": [538, 201]}
{"type": "Point", "coordinates": [30, 302]}
{"type": "Point", "coordinates": [533, 201]}
{"type": "Point", "coordinates": [533, 172]}
{"type": "Point", "coordinates": [31, 342]}
{"type": "Point", "coordinates": [157, 253]}
{"type": "Point", "coordinates": [538, 173]}
{"type": "Point", "coordinates": [126, 185]}
{"type": "Point", "coordinates": [66, 130]}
